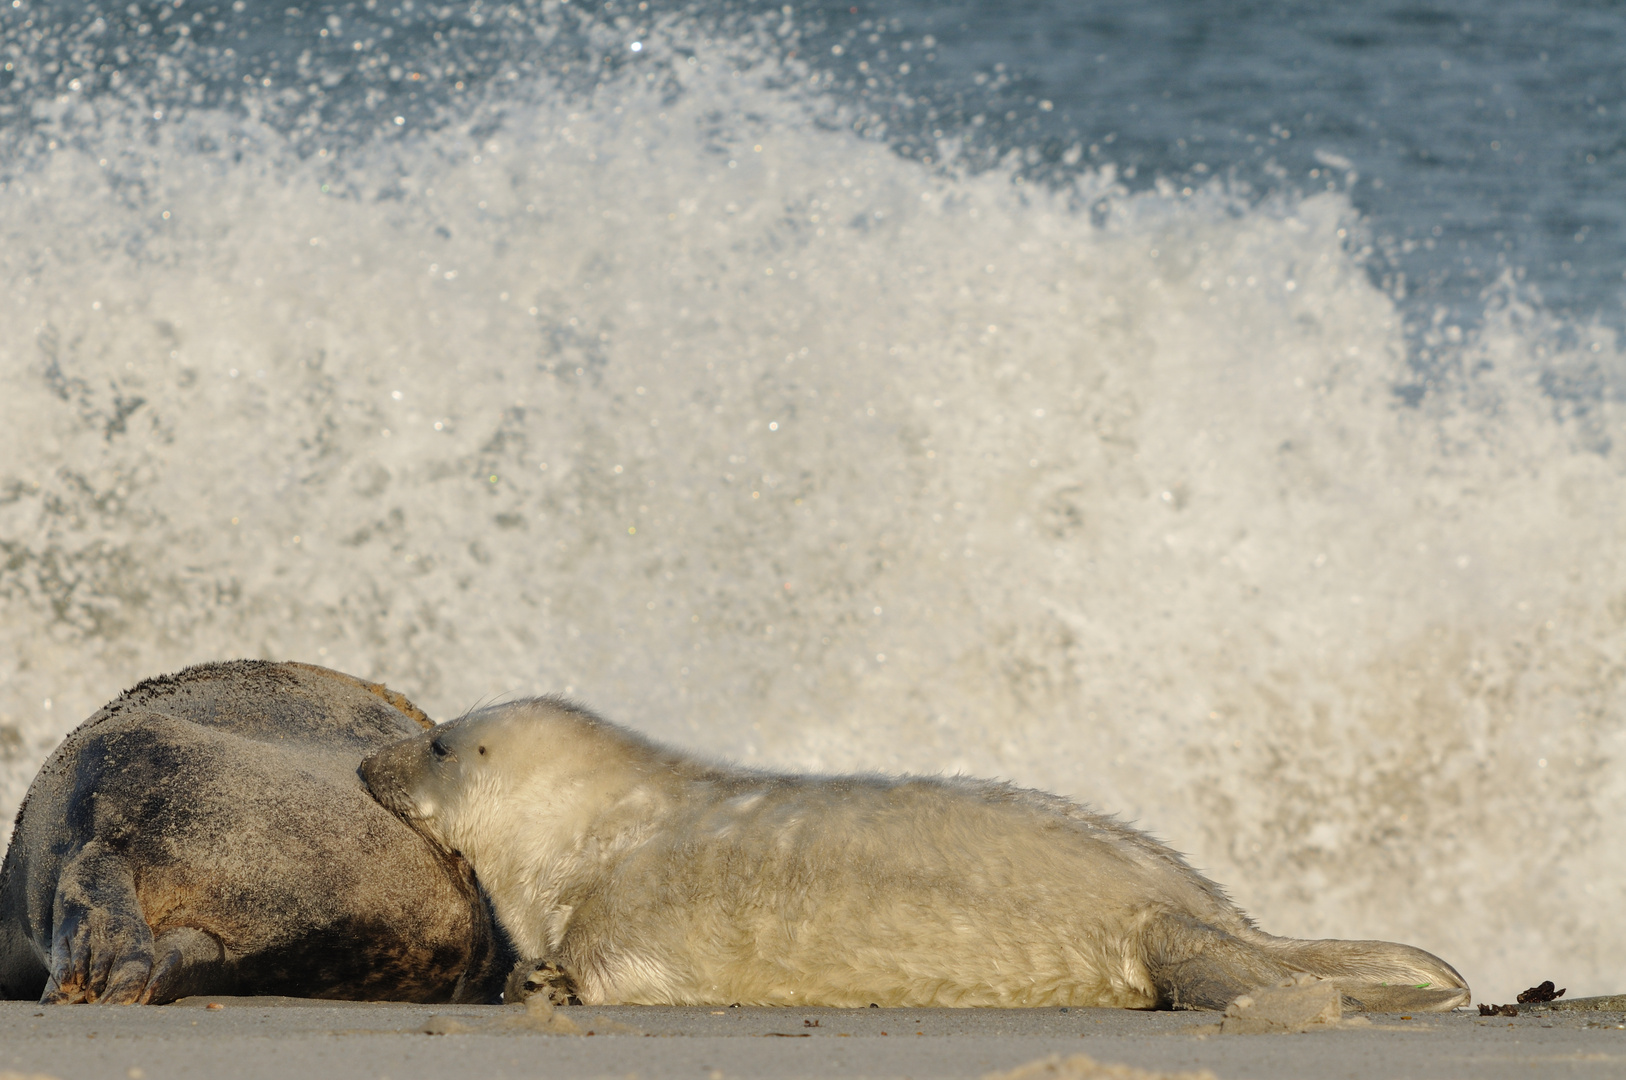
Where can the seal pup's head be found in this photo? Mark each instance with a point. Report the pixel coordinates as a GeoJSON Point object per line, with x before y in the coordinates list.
{"type": "Point", "coordinates": [510, 777]}
{"type": "Point", "coordinates": [532, 794]}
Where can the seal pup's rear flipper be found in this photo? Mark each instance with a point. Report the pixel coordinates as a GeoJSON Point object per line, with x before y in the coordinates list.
{"type": "Point", "coordinates": [1379, 976]}
{"type": "Point", "coordinates": [1386, 998]}
{"type": "Point", "coordinates": [1196, 966]}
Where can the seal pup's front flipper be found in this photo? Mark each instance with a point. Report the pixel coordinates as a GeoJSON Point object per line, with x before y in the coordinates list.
{"type": "Point", "coordinates": [540, 978]}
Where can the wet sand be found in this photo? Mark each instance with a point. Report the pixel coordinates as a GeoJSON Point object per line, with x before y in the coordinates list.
{"type": "Point", "coordinates": [249, 1038]}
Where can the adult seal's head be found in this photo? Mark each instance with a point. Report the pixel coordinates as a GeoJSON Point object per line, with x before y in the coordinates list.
{"type": "Point", "coordinates": [207, 832]}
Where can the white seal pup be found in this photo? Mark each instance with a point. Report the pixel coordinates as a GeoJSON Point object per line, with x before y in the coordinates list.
{"type": "Point", "coordinates": [635, 874]}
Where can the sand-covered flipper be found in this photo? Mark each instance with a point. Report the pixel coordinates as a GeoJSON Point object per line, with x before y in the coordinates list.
{"type": "Point", "coordinates": [101, 946]}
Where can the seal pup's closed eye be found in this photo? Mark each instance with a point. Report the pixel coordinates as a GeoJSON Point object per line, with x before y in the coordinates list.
{"type": "Point", "coordinates": [635, 874]}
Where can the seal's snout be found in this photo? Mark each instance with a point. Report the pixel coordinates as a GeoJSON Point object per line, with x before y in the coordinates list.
{"type": "Point", "coordinates": [388, 775]}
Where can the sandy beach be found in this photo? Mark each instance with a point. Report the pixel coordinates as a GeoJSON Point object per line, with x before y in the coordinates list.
{"type": "Point", "coordinates": [250, 1038]}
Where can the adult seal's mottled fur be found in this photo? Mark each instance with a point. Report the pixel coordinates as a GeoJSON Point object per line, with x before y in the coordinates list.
{"type": "Point", "coordinates": [631, 873]}
{"type": "Point", "coordinates": [207, 833]}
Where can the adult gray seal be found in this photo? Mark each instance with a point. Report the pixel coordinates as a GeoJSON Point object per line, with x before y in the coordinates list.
{"type": "Point", "coordinates": [635, 874]}
{"type": "Point", "coordinates": [207, 833]}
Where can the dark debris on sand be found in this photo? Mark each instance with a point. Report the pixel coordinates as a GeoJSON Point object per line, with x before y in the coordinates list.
{"type": "Point", "coordinates": [1537, 994]}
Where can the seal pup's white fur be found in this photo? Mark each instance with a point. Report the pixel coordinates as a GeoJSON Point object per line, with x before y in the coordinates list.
{"type": "Point", "coordinates": [637, 874]}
